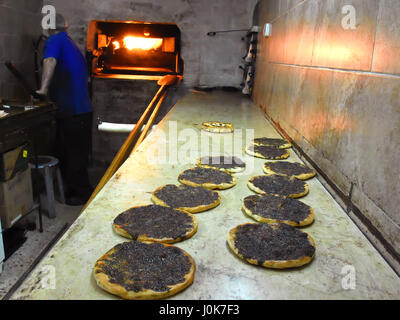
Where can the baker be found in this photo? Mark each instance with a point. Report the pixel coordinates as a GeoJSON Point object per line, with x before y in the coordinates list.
{"type": "Point", "coordinates": [64, 79]}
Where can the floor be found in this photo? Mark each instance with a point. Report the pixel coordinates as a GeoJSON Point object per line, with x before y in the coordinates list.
{"type": "Point", "coordinates": [22, 260]}
{"type": "Point", "coordinates": [36, 242]}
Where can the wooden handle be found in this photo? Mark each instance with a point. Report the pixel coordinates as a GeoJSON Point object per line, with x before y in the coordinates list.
{"type": "Point", "coordinates": [123, 152]}
{"type": "Point", "coordinates": [149, 123]}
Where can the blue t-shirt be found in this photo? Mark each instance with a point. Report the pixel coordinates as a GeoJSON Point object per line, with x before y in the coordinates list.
{"type": "Point", "coordinates": [69, 86]}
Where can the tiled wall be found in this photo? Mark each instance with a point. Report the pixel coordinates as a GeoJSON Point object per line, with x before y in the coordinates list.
{"type": "Point", "coordinates": [20, 24]}
{"type": "Point", "coordinates": [336, 93]}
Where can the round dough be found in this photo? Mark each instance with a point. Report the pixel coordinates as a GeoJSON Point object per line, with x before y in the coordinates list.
{"type": "Point", "coordinates": [208, 178]}
{"type": "Point", "coordinates": [156, 224]}
{"type": "Point", "coordinates": [276, 209]}
{"type": "Point", "coordinates": [272, 142]}
{"type": "Point", "coordinates": [187, 198]}
{"type": "Point", "coordinates": [276, 246]}
{"type": "Point", "coordinates": [217, 127]}
{"type": "Point", "coordinates": [290, 169]}
{"type": "Point", "coordinates": [144, 270]}
{"type": "Point", "coordinates": [224, 163]}
{"type": "Point", "coordinates": [266, 152]}
{"type": "Point", "coordinates": [278, 185]}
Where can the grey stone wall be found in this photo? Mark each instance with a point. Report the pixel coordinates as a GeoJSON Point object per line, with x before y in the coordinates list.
{"type": "Point", "coordinates": [336, 93]}
{"type": "Point", "coordinates": [20, 24]}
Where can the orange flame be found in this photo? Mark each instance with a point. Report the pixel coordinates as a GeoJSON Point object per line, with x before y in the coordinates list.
{"type": "Point", "coordinates": [140, 43]}
{"type": "Point", "coordinates": [116, 45]}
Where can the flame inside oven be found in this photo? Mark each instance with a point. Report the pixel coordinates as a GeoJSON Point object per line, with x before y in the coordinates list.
{"type": "Point", "coordinates": [138, 43]}
{"type": "Point", "coordinates": [129, 49]}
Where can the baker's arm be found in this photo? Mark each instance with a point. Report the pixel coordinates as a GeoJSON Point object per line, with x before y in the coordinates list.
{"type": "Point", "coordinates": [49, 65]}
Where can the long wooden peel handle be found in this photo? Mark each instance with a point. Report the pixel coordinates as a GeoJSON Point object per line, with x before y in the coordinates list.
{"type": "Point", "coordinates": [123, 151]}
{"type": "Point", "coordinates": [149, 123]}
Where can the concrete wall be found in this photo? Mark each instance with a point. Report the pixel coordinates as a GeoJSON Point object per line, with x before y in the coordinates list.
{"type": "Point", "coordinates": [19, 26]}
{"type": "Point", "coordinates": [209, 61]}
{"type": "Point", "coordinates": [336, 93]}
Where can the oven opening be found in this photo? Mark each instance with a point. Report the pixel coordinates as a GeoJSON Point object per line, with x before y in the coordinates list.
{"type": "Point", "coordinates": [124, 49]}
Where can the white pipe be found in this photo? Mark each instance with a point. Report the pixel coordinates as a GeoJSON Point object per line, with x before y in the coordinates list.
{"type": "Point", "coordinates": [3, 113]}
{"type": "Point", "coordinates": [117, 127]}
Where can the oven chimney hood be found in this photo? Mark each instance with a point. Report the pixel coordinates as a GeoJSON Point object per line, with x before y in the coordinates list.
{"type": "Point", "coordinates": [133, 49]}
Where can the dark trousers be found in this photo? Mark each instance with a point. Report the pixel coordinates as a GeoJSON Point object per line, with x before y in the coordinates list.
{"type": "Point", "coordinates": [74, 140]}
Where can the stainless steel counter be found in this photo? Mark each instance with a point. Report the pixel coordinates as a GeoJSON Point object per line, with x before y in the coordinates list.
{"type": "Point", "coordinates": [342, 250]}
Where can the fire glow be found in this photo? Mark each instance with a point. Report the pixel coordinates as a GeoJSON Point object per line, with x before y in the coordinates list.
{"type": "Point", "coordinates": [116, 45]}
{"type": "Point", "coordinates": [139, 43]}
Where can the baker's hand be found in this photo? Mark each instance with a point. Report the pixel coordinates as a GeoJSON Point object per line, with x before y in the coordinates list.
{"type": "Point", "coordinates": [49, 65]}
{"type": "Point", "coordinates": [43, 96]}
{"type": "Point", "coordinates": [42, 91]}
